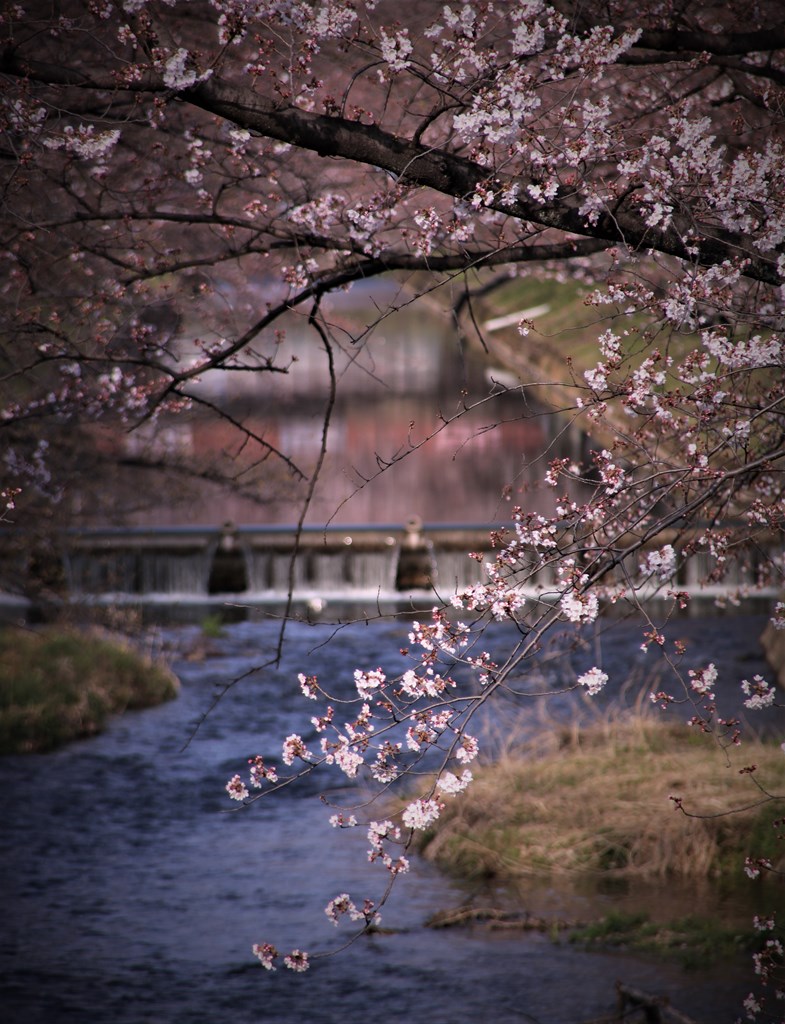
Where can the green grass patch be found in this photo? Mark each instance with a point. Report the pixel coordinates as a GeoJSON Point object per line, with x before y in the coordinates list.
{"type": "Point", "coordinates": [213, 626]}
{"type": "Point", "coordinates": [59, 685]}
{"type": "Point", "coordinates": [692, 941]}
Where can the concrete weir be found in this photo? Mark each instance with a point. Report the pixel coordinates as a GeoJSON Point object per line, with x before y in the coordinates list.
{"type": "Point", "coordinates": [258, 560]}
{"type": "Point", "coordinates": [366, 567]}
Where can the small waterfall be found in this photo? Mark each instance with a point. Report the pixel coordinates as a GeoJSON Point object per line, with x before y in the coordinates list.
{"type": "Point", "coordinates": [331, 569]}
{"type": "Point", "coordinates": [137, 572]}
{"type": "Point", "coordinates": [174, 572]}
{"type": "Point", "coordinates": [138, 562]}
{"type": "Point", "coordinates": [268, 570]}
{"type": "Point", "coordinates": [100, 572]}
{"type": "Point", "coordinates": [372, 570]}
{"type": "Point", "coordinates": [454, 569]}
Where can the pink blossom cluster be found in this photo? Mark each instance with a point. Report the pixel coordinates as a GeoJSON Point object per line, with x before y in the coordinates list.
{"type": "Point", "coordinates": [759, 694]}
{"type": "Point", "coordinates": [594, 680]}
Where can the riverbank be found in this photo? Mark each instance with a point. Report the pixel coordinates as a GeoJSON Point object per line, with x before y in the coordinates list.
{"type": "Point", "coordinates": [604, 803]}
{"type": "Point", "coordinates": [641, 829]}
{"type": "Point", "coordinates": [57, 685]}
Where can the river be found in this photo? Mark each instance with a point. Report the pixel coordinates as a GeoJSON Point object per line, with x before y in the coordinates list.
{"type": "Point", "coordinates": [131, 895]}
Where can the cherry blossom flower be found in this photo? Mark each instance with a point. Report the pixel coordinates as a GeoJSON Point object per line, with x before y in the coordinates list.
{"type": "Point", "coordinates": [754, 865]}
{"type": "Point", "coordinates": [759, 693]}
{"type": "Point", "coordinates": [297, 961]}
{"type": "Point", "coordinates": [396, 49]}
{"type": "Point", "coordinates": [368, 682]}
{"type": "Point", "coordinates": [339, 906]}
{"type": "Point", "coordinates": [752, 1006]}
{"type": "Point", "coordinates": [579, 607]}
{"type": "Point", "coordinates": [467, 748]}
{"type": "Point", "coordinates": [419, 814]}
{"type": "Point", "coordinates": [661, 563]}
{"type": "Point", "coordinates": [179, 70]}
{"type": "Point", "coordinates": [342, 754]}
{"type": "Point", "coordinates": [594, 680]}
{"type": "Point", "coordinates": [450, 784]}
{"type": "Point", "coordinates": [267, 955]}
{"type": "Point", "coordinates": [294, 747]}
{"type": "Point", "coordinates": [338, 821]}
{"type": "Point", "coordinates": [308, 685]}
{"type": "Point", "coordinates": [702, 680]}
{"type": "Point", "coordinates": [236, 788]}
{"type": "Point", "coordinates": [85, 142]}
{"type": "Point", "coordinates": [259, 772]}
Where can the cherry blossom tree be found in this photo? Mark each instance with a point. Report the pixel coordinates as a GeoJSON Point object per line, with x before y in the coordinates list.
{"type": "Point", "coordinates": [159, 153]}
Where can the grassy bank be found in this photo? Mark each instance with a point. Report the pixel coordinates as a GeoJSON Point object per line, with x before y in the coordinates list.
{"type": "Point", "coordinates": [596, 805]}
{"type": "Point", "coordinates": [691, 941]}
{"type": "Point", "coordinates": [59, 685]}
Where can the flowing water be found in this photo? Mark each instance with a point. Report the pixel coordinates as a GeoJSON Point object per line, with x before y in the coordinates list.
{"type": "Point", "coordinates": [130, 894]}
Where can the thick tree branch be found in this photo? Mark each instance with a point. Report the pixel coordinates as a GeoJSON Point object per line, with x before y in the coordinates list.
{"type": "Point", "coordinates": [682, 41]}
{"type": "Point", "coordinates": [456, 176]}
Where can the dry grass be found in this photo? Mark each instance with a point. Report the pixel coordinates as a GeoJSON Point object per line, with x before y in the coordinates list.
{"type": "Point", "coordinates": [597, 803]}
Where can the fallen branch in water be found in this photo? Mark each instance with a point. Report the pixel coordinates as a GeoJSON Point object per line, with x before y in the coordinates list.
{"type": "Point", "coordinates": [655, 1009]}
{"type": "Point", "coordinates": [498, 919]}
